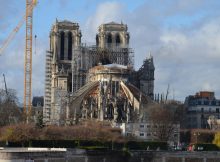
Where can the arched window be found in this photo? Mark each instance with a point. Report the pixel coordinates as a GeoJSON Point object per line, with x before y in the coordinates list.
{"type": "Point", "coordinates": [97, 40]}
{"type": "Point", "coordinates": [70, 45]}
{"type": "Point", "coordinates": [109, 38]}
{"type": "Point", "coordinates": [128, 38]}
{"type": "Point", "coordinates": [117, 39]}
{"type": "Point", "coordinates": [62, 46]}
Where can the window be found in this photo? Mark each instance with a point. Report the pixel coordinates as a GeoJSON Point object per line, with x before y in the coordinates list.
{"type": "Point", "coordinates": [202, 110]}
{"type": "Point", "coordinates": [128, 37]}
{"type": "Point", "coordinates": [128, 134]}
{"type": "Point", "coordinates": [109, 38]}
{"type": "Point", "coordinates": [62, 46]}
{"type": "Point", "coordinates": [141, 134]}
{"type": "Point", "coordinates": [70, 43]}
{"type": "Point", "coordinates": [206, 102]}
{"type": "Point", "coordinates": [118, 41]}
{"type": "Point", "coordinates": [217, 110]}
{"type": "Point", "coordinates": [214, 103]}
{"type": "Point", "coordinates": [142, 126]}
{"type": "Point", "coordinates": [97, 40]}
{"type": "Point", "coordinates": [148, 134]}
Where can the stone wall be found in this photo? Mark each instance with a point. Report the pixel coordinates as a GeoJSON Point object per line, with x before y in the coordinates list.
{"type": "Point", "coordinates": [77, 155]}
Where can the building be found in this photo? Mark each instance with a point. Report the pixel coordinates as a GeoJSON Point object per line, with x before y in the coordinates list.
{"type": "Point", "coordinates": [64, 37]}
{"type": "Point", "coordinates": [149, 131]}
{"type": "Point", "coordinates": [37, 108]}
{"type": "Point", "coordinates": [97, 81]}
{"type": "Point", "coordinates": [201, 107]}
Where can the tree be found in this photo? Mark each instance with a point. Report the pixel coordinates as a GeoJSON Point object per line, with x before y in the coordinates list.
{"type": "Point", "coordinates": [9, 110]}
{"type": "Point", "coordinates": [217, 139]}
{"type": "Point", "coordinates": [39, 122]}
{"type": "Point", "coordinates": [179, 112]}
{"type": "Point", "coordinates": [165, 119]}
{"type": "Point", "coordinates": [162, 123]}
{"type": "Point", "coordinates": [19, 133]}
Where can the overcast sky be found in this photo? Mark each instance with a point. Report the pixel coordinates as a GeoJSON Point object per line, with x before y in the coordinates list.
{"type": "Point", "coordinates": [182, 35]}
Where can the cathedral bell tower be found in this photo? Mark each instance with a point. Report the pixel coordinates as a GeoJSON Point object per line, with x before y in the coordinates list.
{"type": "Point", "coordinates": [112, 35]}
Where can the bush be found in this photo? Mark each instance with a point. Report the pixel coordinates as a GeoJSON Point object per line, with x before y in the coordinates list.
{"type": "Point", "coordinates": [100, 148]}
{"type": "Point", "coordinates": [93, 145]}
{"type": "Point", "coordinates": [54, 143]}
{"type": "Point", "coordinates": [217, 139]}
{"type": "Point", "coordinates": [90, 143]}
{"type": "Point", "coordinates": [145, 145]}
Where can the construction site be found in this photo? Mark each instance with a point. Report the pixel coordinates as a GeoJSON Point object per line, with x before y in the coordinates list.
{"type": "Point", "coordinates": [84, 82]}
{"type": "Point", "coordinates": [95, 82]}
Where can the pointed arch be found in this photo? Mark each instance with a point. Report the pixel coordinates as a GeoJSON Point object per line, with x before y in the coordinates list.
{"type": "Point", "coordinates": [128, 38]}
{"type": "Point", "coordinates": [62, 45]}
{"type": "Point", "coordinates": [109, 38]}
{"type": "Point", "coordinates": [118, 39]}
{"type": "Point", "coordinates": [70, 45]}
{"type": "Point", "coordinates": [97, 40]}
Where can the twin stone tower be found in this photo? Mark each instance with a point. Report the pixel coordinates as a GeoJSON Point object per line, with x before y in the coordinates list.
{"type": "Point", "coordinates": [96, 82]}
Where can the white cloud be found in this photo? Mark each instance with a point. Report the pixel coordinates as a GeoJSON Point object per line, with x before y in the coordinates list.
{"type": "Point", "coordinates": [106, 12]}
{"type": "Point", "coordinates": [186, 57]}
{"type": "Point", "coordinates": [12, 65]}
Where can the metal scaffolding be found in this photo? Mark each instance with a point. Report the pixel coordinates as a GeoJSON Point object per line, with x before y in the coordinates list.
{"type": "Point", "coordinates": [47, 96]}
{"type": "Point", "coordinates": [86, 57]}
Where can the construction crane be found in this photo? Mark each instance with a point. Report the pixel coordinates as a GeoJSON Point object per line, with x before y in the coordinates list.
{"type": "Point", "coordinates": [16, 29]}
{"type": "Point", "coordinates": [28, 59]}
{"type": "Point", "coordinates": [28, 17]}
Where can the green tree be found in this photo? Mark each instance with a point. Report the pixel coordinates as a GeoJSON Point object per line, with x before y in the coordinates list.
{"type": "Point", "coordinates": [217, 139]}
{"type": "Point", "coordinates": [6, 134]}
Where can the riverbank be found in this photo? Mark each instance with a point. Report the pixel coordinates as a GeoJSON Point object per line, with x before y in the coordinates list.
{"type": "Point", "coordinates": [80, 155]}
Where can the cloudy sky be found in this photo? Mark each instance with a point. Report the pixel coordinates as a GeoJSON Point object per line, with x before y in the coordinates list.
{"type": "Point", "coordinates": [182, 35]}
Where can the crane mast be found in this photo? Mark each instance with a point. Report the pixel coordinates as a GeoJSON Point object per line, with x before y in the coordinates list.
{"type": "Point", "coordinates": [28, 17]}
{"type": "Point", "coordinates": [28, 60]}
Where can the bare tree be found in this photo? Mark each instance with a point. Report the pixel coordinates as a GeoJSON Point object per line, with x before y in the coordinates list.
{"type": "Point", "coordinates": [9, 110]}
{"type": "Point", "coordinates": [19, 133]}
{"type": "Point", "coordinates": [165, 119]}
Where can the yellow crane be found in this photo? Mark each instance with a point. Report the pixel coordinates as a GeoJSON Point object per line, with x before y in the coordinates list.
{"type": "Point", "coordinates": [28, 17]}
{"type": "Point", "coordinates": [28, 59]}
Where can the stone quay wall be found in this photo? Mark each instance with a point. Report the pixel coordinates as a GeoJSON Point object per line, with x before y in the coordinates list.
{"type": "Point", "coordinates": [79, 155]}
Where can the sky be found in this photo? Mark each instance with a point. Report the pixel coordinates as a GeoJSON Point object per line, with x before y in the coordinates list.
{"type": "Point", "coordinates": [183, 36]}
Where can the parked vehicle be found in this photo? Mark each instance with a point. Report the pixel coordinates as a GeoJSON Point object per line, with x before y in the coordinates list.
{"type": "Point", "coordinates": [202, 147]}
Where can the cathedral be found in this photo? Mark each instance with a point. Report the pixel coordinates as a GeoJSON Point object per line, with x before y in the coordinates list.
{"type": "Point", "coordinates": [95, 82]}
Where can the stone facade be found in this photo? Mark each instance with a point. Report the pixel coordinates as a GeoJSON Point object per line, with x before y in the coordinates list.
{"type": "Point", "coordinates": [68, 64]}
{"type": "Point", "coordinates": [79, 155]}
{"type": "Point", "coordinates": [37, 108]}
{"type": "Point", "coordinates": [200, 107]}
{"type": "Point", "coordinates": [112, 34]}
{"type": "Point", "coordinates": [147, 131]}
